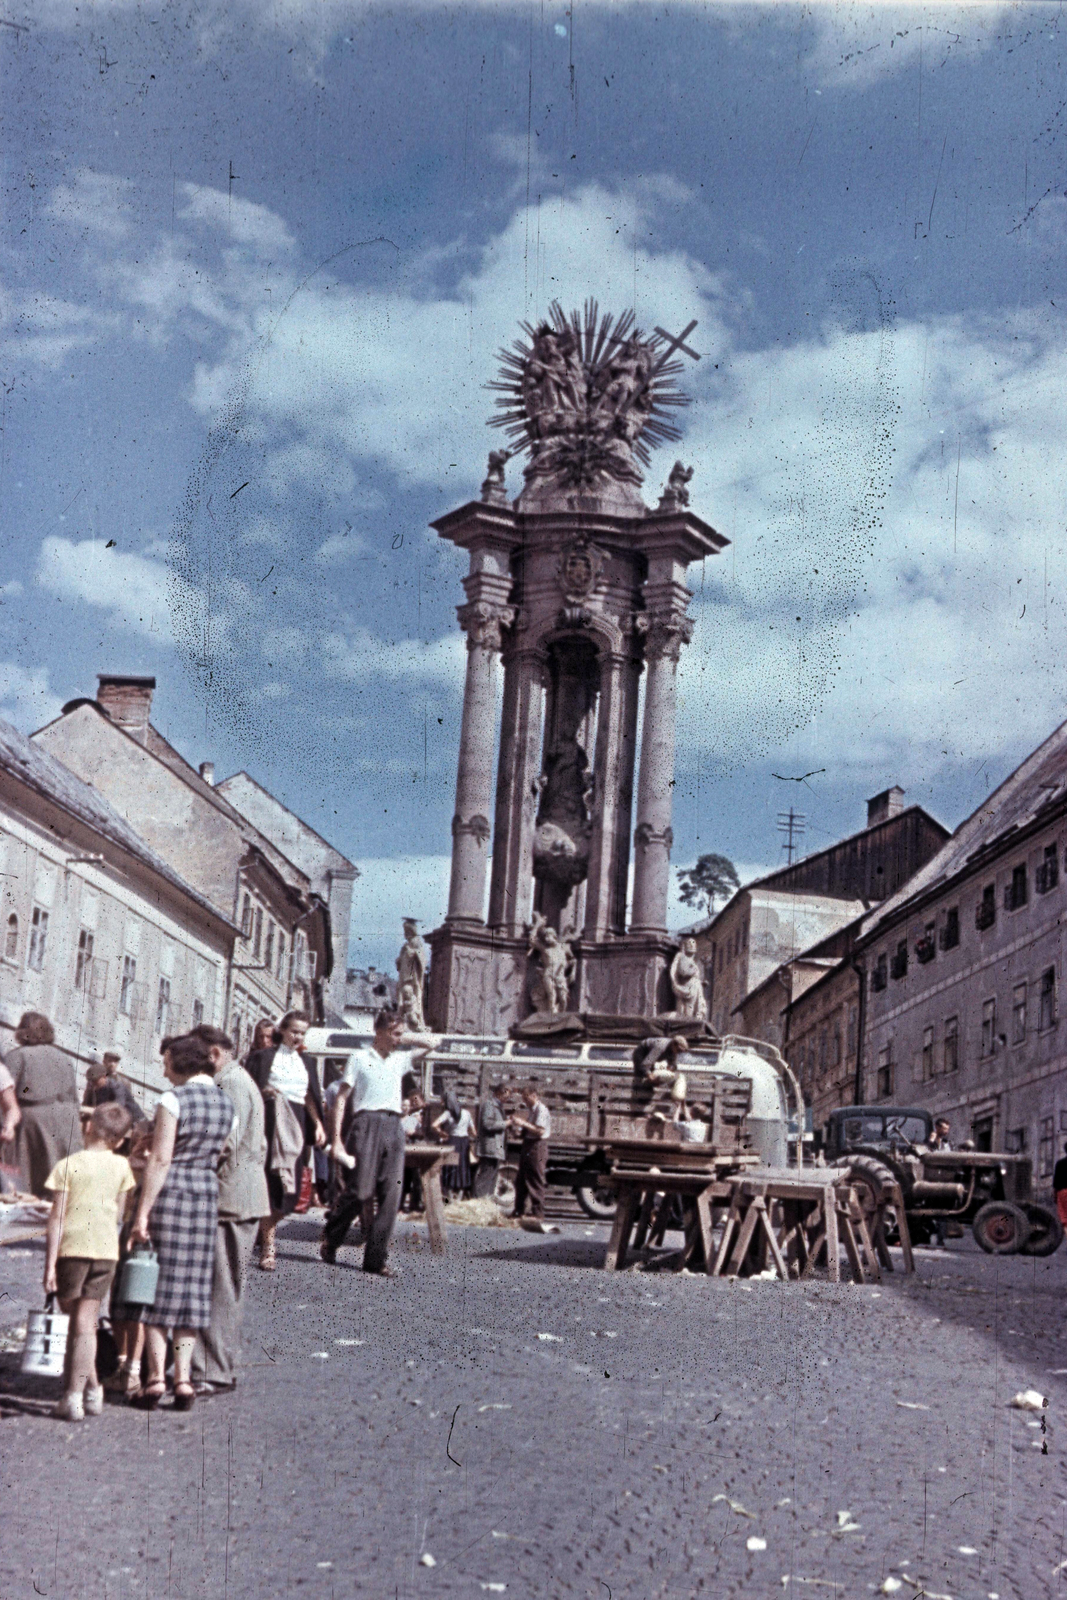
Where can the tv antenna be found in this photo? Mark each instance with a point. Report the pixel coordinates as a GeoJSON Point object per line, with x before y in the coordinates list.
{"type": "Point", "coordinates": [792, 824]}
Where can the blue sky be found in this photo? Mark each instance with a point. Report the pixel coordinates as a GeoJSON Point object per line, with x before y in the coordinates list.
{"type": "Point", "coordinates": [256, 264]}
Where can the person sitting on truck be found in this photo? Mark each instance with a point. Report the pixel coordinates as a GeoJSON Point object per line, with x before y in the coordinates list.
{"type": "Point", "coordinates": [939, 1137]}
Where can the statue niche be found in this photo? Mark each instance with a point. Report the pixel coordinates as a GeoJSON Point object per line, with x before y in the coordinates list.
{"type": "Point", "coordinates": [564, 821]}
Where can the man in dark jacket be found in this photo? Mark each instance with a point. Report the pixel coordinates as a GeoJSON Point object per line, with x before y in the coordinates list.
{"type": "Point", "coordinates": [492, 1146]}
{"type": "Point", "coordinates": [103, 1084]}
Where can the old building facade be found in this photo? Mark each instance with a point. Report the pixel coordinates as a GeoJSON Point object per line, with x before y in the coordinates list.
{"type": "Point", "coordinates": [283, 954]}
{"type": "Point", "coordinates": [773, 920]}
{"type": "Point", "coordinates": [331, 875]}
{"type": "Point", "coordinates": [96, 930]}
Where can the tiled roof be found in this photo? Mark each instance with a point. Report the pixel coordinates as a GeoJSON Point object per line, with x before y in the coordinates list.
{"type": "Point", "coordinates": [1039, 784]}
{"type": "Point", "coordinates": [31, 765]}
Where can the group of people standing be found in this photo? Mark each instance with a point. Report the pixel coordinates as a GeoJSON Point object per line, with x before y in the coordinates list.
{"type": "Point", "coordinates": [216, 1168]}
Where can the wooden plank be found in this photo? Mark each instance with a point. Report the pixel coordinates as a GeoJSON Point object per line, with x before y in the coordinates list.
{"type": "Point", "coordinates": [833, 1254]}
{"type": "Point", "coordinates": [625, 1211]}
{"type": "Point", "coordinates": [844, 1219]}
{"type": "Point", "coordinates": [733, 1217]}
{"type": "Point", "coordinates": [902, 1225]}
{"type": "Point", "coordinates": [772, 1242]}
{"type": "Point", "coordinates": [644, 1218]}
{"type": "Point", "coordinates": [859, 1222]}
{"type": "Point", "coordinates": [702, 1207]}
{"type": "Point", "coordinates": [744, 1239]}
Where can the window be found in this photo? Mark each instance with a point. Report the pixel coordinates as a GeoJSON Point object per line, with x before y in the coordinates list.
{"type": "Point", "coordinates": [926, 948]}
{"type": "Point", "coordinates": [163, 1006]}
{"type": "Point", "coordinates": [83, 961]}
{"type": "Point", "coordinates": [281, 954]}
{"type": "Point", "coordinates": [885, 1073]}
{"type": "Point", "coordinates": [878, 976]}
{"type": "Point", "coordinates": [1047, 875]}
{"type": "Point", "coordinates": [835, 1046]}
{"type": "Point", "coordinates": [11, 939]}
{"type": "Point", "coordinates": [986, 914]}
{"type": "Point", "coordinates": [950, 933]}
{"type": "Point", "coordinates": [850, 1034]}
{"type": "Point", "coordinates": [198, 1013]}
{"type": "Point", "coordinates": [1015, 894]}
{"type": "Point", "coordinates": [268, 948]}
{"type": "Point", "coordinates": [928, 1054]}
{"type": "Point", "coordinates": [1046, 1147]}
{"type": "Point", "coordinates": [1047, 1012]}
{"type": "Point", "coordinates": [1015, 1141]}
{"type": "Point", "coordinates": [951, 1055]}
{"type": "Point", "coordinates": [246, 916]}
{"type": "Point", "coordinates": [38, 938]}
{"type": "Point", "coordinates": [129, 980]}
{"type": "Point", "coordinates": [899, 966]}
{"type": "Point", "coordinates": [1018, 1013]}
{"type": "Point", "coordinates": [257, 933]}
{"type": "Point", "coordinates": [989, 1027]}
{"type": "Point", "coordinates": [824, 1048]}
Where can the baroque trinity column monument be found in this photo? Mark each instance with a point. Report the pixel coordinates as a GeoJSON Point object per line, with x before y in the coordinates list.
{"type": "Point", "coordinates": [578, 589]}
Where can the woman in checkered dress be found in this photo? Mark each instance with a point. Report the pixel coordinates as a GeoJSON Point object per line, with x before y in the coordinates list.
{"type": "Point", "coordinates": [178, 1212]}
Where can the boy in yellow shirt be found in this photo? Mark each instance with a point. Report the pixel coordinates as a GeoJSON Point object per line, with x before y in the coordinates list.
{"type": "Point", "coordinates": [89, 1190]}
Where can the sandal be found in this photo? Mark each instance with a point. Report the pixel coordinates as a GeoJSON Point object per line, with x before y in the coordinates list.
{"type": "Point", "coordinates": [150, 1395]}
{"type": "Point", "coordinates": [184, 1397]}
{"type": "Point", "coordinates": [116, 1383]}
{"type": "Point", "coordinates": [267, 1260]}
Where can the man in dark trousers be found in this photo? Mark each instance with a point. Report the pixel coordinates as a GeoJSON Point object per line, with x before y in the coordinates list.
{"type": "Point", "coordinates": [535, 1130]}
{"type": "Point", "coordinates": [492, 1143]}
{"type": "Point", "coordinates": [373, 1081]}
{"type": "Point", "coordinates": [1059, 1186]}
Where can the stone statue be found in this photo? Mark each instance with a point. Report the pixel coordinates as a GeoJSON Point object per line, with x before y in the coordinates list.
{"type": "Point", "coordinates": [584, 395]}
{"type": "Point", "coordinates": [556, 969]}
{"type": "Point", "coordinates": [687, 981]}
{"type": "Point", "coordinates": [676, 495]}
{"type": "Point", "coordinates": [411, 976]}
{"type": "Point", "coordinates": [493, 490]}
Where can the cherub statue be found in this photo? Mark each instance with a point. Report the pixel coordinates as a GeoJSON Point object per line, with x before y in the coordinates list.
{"type": "Point", "coordinates": [411, 976]}
{"type": "Point", "coordinates": [493, 491]}
{"type": "Point", "coordinates": [676, 494]}
{"type": "Point", "coordinates": [550, 986]}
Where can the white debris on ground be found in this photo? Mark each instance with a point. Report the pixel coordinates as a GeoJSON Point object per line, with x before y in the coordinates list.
{"type": "Point", "coordinates": [1028, 1400]}
{"type": "Point", "coordinates": [473, 1214]}
{"type": "Point", "coordinates": [550, 1338]}
{"type": "Point", "coordinates": [427, 1560]}
{"type": "Point", "coordinates": [912, 1405]}
{"type": "Point", "coordinates": [754, 1543]}
{"type": "Point", "coordinates": [735, 1505]}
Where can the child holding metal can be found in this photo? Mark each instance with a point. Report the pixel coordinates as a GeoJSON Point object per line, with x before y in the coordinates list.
{"type": "Point", "coordinates": [82, 1248]}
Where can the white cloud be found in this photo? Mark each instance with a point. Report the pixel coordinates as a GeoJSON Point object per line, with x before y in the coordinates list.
{"type": "Point", "coordinates": [856, 45]}
{"type": "Point", "coordinates": [26, 696]}
{"type": "Point", "coordinates": [135, 591]}
{"type": "Point", "coordinates": [360, 655]}
{"type": "Point", "coordinates": [95, 202]}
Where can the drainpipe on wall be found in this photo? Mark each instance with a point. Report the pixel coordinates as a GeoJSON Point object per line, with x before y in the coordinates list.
{"type": "Point", "coordinates": [861, 1026]}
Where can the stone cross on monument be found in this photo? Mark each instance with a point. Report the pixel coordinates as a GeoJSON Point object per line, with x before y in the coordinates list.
{"type": "Point", "coordinates": [578, 589]}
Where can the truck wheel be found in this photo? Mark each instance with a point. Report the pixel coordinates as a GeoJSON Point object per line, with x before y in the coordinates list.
{"type": "Point", "coordinates": [1001, 1229]}
{"type": "Point", "coordinates": [596, 1200]}
{"type": "Point", "coordinates": [1046, 1231]}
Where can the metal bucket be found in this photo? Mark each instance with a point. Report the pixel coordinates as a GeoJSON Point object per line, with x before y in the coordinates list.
{"type": "Point", "coordinates": [139, 1277]}
{"type": "Point", "coordinates": [45, 1349]}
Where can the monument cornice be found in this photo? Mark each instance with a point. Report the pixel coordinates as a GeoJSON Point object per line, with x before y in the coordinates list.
{"type": "Point", "coordinates": [681, 532]}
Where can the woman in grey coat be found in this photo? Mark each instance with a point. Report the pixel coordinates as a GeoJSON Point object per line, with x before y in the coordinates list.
{"type": "Point", "coordinates": [46, 1089]}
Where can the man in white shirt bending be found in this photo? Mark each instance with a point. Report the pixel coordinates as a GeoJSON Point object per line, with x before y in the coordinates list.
{"type": "Point", "coordinates": [373, 1080]}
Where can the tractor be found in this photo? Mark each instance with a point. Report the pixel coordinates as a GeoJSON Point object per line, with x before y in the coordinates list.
{"type": "Point", "coordinates": [882, 1146]}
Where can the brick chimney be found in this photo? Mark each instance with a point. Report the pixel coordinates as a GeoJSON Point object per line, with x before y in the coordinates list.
{"type": "Point", "coordinates": [127, 701]}
{"type": "Point", "coordinates": [890, 803]}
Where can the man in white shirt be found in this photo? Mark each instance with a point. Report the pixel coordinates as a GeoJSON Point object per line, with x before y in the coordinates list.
{"type": "Point", "coordinates": [373, 1078]}
{"type": "Point", "coordinates": [535, 1130]}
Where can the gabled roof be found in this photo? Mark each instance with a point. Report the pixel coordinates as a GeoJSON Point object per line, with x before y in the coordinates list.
{"type": "Point", "coordinates": [31, 765]}
{"type": "Point", "coordinates": [1038, 785]}
{"type": "Point", "coordinates": [305, 827]}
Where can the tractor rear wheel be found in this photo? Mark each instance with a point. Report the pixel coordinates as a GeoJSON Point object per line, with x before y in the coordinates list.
{"type": "Point", "coordinates": [1046, 1231]}
{"type": "Point", "coordinates": [871, 1179]}
{"type": "Point", "coordinates": [596, 1197]}
{"type": "Point", "coordinates": [1001, 1229]}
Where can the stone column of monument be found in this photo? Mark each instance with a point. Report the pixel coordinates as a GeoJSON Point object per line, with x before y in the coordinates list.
{"type": "Point", "coordinates": [482, 621]}
{"type": "Point", "coordinates": [521, 732]}
{"type": "Point", "coordinates": [609, 851]}
{"type": "Point", "coordinates": [666, 632]}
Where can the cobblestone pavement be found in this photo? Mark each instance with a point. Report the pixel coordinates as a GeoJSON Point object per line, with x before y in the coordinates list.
{"type": "Point", "coordinates": [543, 1429]}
